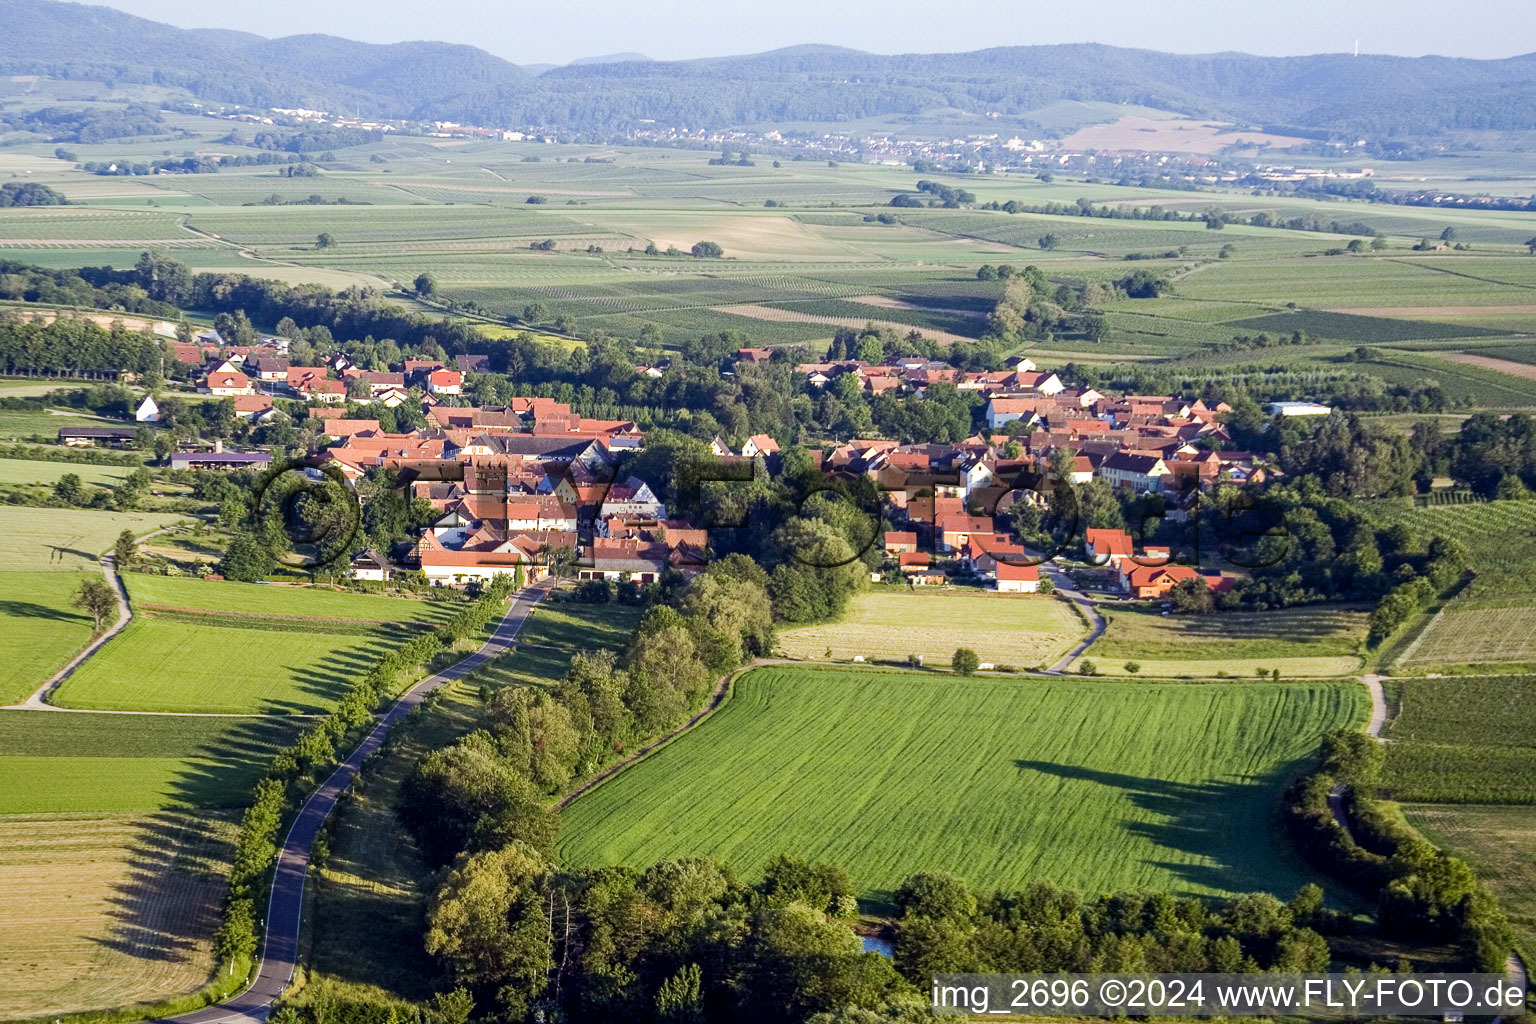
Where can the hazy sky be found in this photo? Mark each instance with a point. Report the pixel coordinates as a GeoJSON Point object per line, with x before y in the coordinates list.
{"type": "Point", "coordinates": [548, 32]}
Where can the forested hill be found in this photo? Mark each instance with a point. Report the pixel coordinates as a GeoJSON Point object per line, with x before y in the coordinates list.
{"type": "Point", "coordinates": [1373, 95]}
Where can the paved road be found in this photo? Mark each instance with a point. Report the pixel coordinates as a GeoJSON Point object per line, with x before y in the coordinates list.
{"type": "Point", "coordinates": [1065, 587]}
{"type": "Point", "coordinates": [285, 908]}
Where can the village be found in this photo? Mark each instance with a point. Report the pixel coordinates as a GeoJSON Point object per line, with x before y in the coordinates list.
{"type": "Point", "coordinates": [533, 484]}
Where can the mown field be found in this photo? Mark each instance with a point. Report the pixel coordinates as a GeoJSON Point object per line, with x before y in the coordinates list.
{"type": "Point", "coordinates": [551, 635]}
{"type": "Point", "coordinates": [1464, 739]}
{"type": "Point", "coordinates": [107, 910]}
{"type": "Point", "coordinates": [1297, 641]}
{"type": "Point", "coordinates": [889, 623]}
{"type": "Point", "coordinates": [20, 471]}
{"type": "Point", "coordinates": [1096, 785]}
{"type": "Point", "coordinates": [66, 539]}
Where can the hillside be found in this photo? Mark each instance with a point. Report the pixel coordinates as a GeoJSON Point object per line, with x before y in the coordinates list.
{"type": "Point", "coordinates": [1379, 96]}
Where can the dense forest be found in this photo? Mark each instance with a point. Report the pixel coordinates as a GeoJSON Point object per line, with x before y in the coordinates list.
{"type": "Point", "coordinates": [1374, 95]}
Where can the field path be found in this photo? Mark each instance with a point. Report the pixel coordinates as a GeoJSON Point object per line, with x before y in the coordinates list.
{"type": "Point", "coordinates": [285, 907]}
{"type": "Point", "coordinates": [1378, 705]}
{"type": "Point", "coordinates": [1085, 603]}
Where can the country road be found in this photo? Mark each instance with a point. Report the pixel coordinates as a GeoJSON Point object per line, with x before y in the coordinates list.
{"type": "Point", "coordinates": [1077, 597]}
{"type": "Point", "coordinates": [279, 954]}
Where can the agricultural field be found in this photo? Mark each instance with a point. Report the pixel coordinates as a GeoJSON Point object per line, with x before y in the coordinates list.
{"type": "Point", "coordinates": [1089, 784]}
{"type": "Point", "coordinates": [1297, 641]}
{"type": "Point", "coordinates": [39, 629]}
{"type": "Point", "coordinates": [551, 635]}
{"type": "Point", "coordinates": [67, 539]}
{"type": "Point", "coordinates": [1499, 536]}
{"type": "Point", "coordinates": [1471, 632]}
{"type": "Point", "coordinates": [20, 471]}
{"type": "Point", "coordinates": [889, 623]}
{"type": "Point", "coordinates": [56, 762]}
{"type": "Point", "coordinates": [1497, 842]}
{"type": "Point", "coordinates": [276, 600]}
{"type": "Point", "coordinates": [1464, 739]}
{"type": "Point", "coordinates": [218, 664]}
{"type": "Point", "coordinates": [107, 910]}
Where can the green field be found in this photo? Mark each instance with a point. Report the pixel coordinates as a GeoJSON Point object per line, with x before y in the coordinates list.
{"type": "Point", "coordinates": [1297, 641]}
{"type": "Point", "coordinates": [66, 539]}
{"type": "Point", "coordinates": [282, 601]}
{"type": "Point", "coordinates": [205, 663]}
{"type": "Point", "coordinates": [57, 762]}
{"type": "Point", "coordinates": [1464, 739]}
{"type": "Point", "coordinates": [1498, 536]}
{"type": "Point", "coordinates": [17, 471]}
{"type": "Point", "coordinates": [1471, 632]}
{"type": "Point", "coordinates": [39, 629]}
{"type": "Point", "coordinates": [889, 623]}
{"type": "Point", "coordinates": [1094, 785]}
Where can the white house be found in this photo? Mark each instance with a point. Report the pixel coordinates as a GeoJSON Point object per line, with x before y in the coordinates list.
{"type": "Point", "coordinates": [1017, 579]}
{"type": "Point", "coordinates": [148, 411]}
{"type": "Point", "coordinates": [1298, 409]}
{"type": "Point", "coordinates": [1002, 411]}
{"type": "Point", "coordinates": [369, 565]}
{"type": "Point", "coordinates": [1134, 471]}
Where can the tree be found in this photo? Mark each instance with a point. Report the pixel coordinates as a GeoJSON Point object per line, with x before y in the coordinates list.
{"type": "Point", "coordinates": [324, 240]}
{"type": "Point", "coordinates": [1191, 596]}
{"type": "Point", "coordinates": [1087, 668]}
{"type": "Point", "coordinates": [424, 286]}
{"type": "Point", "coordinates": [97, 599]}
{"type": "Point", "coordinates": [707, 250]}
{"type": "Point", "coordinates": [965, 661]}
{"type": "Point", "coordinates": [1133, 667]}
{"type": "Point", "coordinates": [124, 551]}
{"type": "Point", "coordinates": [1048, 242]}
{"type": "Point", "coordinates": [69, 488]}
{"type": "Point", "coordinates": [245, 560]}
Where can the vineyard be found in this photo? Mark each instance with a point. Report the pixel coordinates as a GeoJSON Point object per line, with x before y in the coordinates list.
{"type": "Point", "coordinates": [1464, 740]}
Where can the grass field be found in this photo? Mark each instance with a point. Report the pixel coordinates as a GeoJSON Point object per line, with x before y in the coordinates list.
{"type": "Point", "coordinates": [1497, 842]}
{"type": "Point", "coordinates": [1464, 739]}
{"type": "Point", "coordinates": [52, 762]}
{"type": "Point", "coordinates": [18, 471]}
{"type": "Point", "coordinates": [1297, 641]}
{"type": "Point", "coordinates": [284, 601]}
{"type": "Point", "coordinates": [66, 539]}
{"type": "Point", "coordinates": [107, 910]}
{"type": "Point", "coordinates": [39, 629]}
{"type": "Point", "coordinates": [210, 664]}
{"type": "Point", "coordinates": [1095, 785]}
{"type": "Point", "coordinates": [889, 623]}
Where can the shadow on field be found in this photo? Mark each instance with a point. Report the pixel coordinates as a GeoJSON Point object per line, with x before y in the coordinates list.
{"type": "Point", "coordinates": [30, 610]}
{"type": "Point", "coordinates": [222, 770]}
{"type": "Point", "coordinates": [1215, 820]}
{"type": "Point", "coordinates": [325, 679]}
{"type": "Point", "coordinates": [167, 902]}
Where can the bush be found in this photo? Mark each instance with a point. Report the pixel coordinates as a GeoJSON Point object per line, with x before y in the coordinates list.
{"type": "Point", "coordinates": [1087, 668]}
{"type": "Point", "coordinates": [964, 662]}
